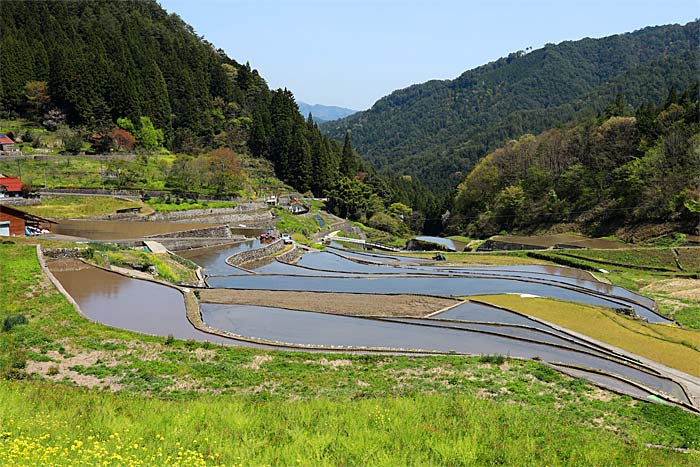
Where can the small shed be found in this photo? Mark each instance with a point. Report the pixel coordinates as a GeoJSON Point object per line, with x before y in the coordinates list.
{"type": "Point", "coordinates": [296, 207]}
{"type": "Point", "coordinates": [19, 223]}
{"type": "Point", "coordinates": [6, 143]}
{"type": "Point", "coordinates": [10, 187]}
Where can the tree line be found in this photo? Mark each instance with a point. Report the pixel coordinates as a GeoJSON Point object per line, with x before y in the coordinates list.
{"type": "Point", "coordinates": [126, 75]}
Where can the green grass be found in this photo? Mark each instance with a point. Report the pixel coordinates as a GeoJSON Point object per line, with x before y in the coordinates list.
{"type": "Point", "coordinates": [170, 268]}
{"type": "Point", "coordinates": [460, 238]}
{"type": "Point", "coordinates": [80, 207]}
{"type": "Point", "coordinates": [238, 406]}
{"type": "Point", "coordinates": [45, 425]}
{"type": "Point", "coordinates": [303, 224]}
{"type": "Point", "coordinates": [186, 205]}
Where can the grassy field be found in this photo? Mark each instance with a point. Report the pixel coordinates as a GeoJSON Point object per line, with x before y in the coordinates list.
{"type": "Point", "coordinates": [81, 207]}
{"type": "Point", "coordinates": [480, 259]}
{"type": "Point", "coordinates": [169, 267]}
{"type": "Point", "coordinates": [186, 205]}
{"type": "Point", "coordinates": [154, 401]}
{"type": "Point", "coordinates": [82, 172]}
{"type": "Point", "coordinates": [148, 172]}
{"type": "Point", "coordinates": [670, 345]}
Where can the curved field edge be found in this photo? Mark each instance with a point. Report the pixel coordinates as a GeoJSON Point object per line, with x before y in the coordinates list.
{"type": "Point", "coordinates": [228, 406]}
{"type": "Point", "coordinates": [673, 346]}
{"type": "Point", "coordinates": [675, 292]}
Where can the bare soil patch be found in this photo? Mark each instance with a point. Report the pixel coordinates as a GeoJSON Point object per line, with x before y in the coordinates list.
{"type": "Point", "coordinates": [334, 303]}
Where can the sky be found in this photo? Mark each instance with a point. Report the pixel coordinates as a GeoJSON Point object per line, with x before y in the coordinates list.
{"type": "Point", "coordinates": [350, 53]}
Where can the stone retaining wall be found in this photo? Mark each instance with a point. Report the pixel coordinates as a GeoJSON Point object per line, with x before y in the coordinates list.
{"type": "Point", "coordinates": [291, 256]}
{"type": "Point", "coordinates": [231, 216]}
{"type": "Point", "coordinates": [62, 253]}
{"type": "Point", "coordinates": [20, 201]}
{"type": "Point", "coordinates": [258, 253]}
{"type": "Point", "coordinates": [495, 245]}
{"type": "Point", "coordinates": [218, 231]}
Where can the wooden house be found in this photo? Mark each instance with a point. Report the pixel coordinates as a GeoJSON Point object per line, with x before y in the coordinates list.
{"type": "Point", "coordinates": [20, 223]}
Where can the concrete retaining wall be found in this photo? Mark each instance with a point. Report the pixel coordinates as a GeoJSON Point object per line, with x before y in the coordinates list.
{"type": "Point", "coordinates": [258, 253]}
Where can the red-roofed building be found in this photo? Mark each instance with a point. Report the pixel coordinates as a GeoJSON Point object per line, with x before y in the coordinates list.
{"type": "Point", "coordinates": [10, 187]}
{"type": "Point", "coordinates": [6, 143]}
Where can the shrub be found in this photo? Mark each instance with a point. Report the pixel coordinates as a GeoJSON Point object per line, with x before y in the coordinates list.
{"type": "Point", "coordinates": [169, 340]}
{"type": "Point", "coordinates": [12, 321]}
{"type": "Point", "coordinates": [495, 359]}
{"type": "Point", "coordinates": [88, 253]}
{"type": "Point", "coordinates": [52, 371]}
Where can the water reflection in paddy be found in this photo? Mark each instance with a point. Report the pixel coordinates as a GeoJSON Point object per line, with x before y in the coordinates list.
{"type": "Point", "coordinates": [117, 230]}
{"type": "Point", "coordinates": [442, 286]}
{"type": "Point", "coordinates": [133, 304]}
{"type": "Point", "coordinates": [299, 327]}
{"type": "Point", "coordinates": [213, 260]}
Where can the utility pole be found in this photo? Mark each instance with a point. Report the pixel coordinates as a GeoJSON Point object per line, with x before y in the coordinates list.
{"type": "Point", "coordinates": [19, 169]}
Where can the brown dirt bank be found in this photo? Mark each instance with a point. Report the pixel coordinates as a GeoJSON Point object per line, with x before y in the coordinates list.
{"type": "Point", "coordinates": [335, 303]}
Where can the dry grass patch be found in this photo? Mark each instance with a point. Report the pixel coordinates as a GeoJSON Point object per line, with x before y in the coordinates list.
{"type": "Point", "coordinates": [659, 342]}
{"type": "Point", "coordinates": [687, 289]}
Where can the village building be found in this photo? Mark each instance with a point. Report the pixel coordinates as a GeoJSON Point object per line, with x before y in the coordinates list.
{"type": "Point", "coordinates": [6, 143]}
{"type": "Point", "coordinates": [296, 207]}
{"type": "Point", "coordinates": [19, 223]}
{"type": "Point", "coordinates": [10, 187]}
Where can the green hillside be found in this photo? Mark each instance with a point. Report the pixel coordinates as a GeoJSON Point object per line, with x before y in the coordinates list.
{"type": "Point", "coordinates": [438, 130]}
{"type": "Point", "coordinates": [96, 67]}
{"type": "Point", "coordinates": [617, 170]}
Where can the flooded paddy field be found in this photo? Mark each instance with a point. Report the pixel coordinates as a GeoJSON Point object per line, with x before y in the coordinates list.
{"type": "Point", "coordinates": [349, 300]}
{"type": "Point", "coordinates": [121, 230]}
{"type": "Point", "coordinates": [127, 303]}
{"type": "Point", "coordinates": [309, 328]}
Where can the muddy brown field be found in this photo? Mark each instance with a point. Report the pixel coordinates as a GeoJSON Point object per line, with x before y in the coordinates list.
{"type": "Point", "coordinates": [335, 303]}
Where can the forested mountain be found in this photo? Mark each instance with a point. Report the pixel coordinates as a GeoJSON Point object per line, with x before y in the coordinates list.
{"type": "Point", "coordinates": [620, 169]}
{"type": "Point", "coordinates": [92, 64]}
{"type": "Point", "coordinates": [438, 130]}
{"type": "Point", "coordinates": [324, 113]}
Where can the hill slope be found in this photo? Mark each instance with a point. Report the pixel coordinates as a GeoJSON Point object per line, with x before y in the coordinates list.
{"type": "Point", "coordinates": [438, 129]}
{"type": "Point", "coordinates": [324, 113]}
{"type": "Point", "coordinates": [92, 63]}
{"type": "Point", "coordinates": [617, 170]}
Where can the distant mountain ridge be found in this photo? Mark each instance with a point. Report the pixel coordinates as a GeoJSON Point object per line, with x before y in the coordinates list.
{"type": "Point", "coordinates": [438, 130]}
{"type": "Point", "coordinates": [324, 113]}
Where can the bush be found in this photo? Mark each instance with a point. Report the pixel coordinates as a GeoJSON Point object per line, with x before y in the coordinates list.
{"type": "Point", "coordinates": [495, 359]}
{"type": "Point", "coordinates": [12, 321]}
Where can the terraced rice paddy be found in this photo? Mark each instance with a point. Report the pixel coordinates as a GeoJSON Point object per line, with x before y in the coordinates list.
{"type": "Point", "coordinates": [373, 280]}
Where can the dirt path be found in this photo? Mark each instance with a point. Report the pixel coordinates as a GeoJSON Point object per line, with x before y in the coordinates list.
{"type": "Point", "coordinates": [335, 303]}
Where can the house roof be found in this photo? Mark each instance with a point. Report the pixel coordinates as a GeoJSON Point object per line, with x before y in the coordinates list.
{"type": "Point", "coordinates": [30, 217]}
{"type": "Point", "coordinates": [12, 184]}
{"type": "Point", "coordinates": [5, 140]}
